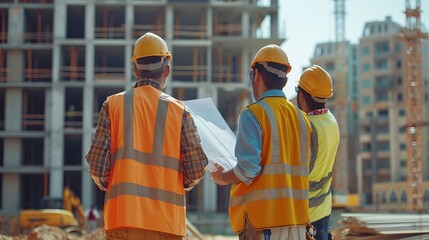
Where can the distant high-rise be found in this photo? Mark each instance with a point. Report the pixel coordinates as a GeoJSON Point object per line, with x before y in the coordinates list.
{"type": "Point", "coordinates": [383, 157]}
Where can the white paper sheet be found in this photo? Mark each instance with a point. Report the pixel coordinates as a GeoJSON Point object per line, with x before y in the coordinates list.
{"type": "Point", "coordinates": [216, 137]}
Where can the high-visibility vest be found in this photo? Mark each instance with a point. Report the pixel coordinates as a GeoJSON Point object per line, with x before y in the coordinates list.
{"type": "Point", "coordinates": [325, 140]}
{"type": "Point", "coordinates": [145, 188]}
{"type": "Point", "coordinates": [278, 197]}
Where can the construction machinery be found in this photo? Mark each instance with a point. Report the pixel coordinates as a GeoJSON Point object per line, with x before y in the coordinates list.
{"type": "Point", "coordinates": [66, 213]}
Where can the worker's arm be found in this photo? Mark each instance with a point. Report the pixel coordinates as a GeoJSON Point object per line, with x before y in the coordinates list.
{"type": "Point", "coordinates": [98, 156]}
{"type": "Point", "coordinates": [194, 159]}
{"type": "Point", "coordinates": [247, 151]}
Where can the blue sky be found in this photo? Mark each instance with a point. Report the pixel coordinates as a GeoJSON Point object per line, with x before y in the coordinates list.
{"type": "Point", "coordinates": [308, 22]}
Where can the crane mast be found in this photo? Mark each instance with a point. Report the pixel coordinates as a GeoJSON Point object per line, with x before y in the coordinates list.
{"type": "Point", "coordinates": [413, 34]}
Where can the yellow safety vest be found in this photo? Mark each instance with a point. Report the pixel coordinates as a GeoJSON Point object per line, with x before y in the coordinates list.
{"type": "Point", "coordinates": [145, 188]}
{"type": "Point", "coordinates": [279, 195]}
{"type": "Point", "coordinates": [325, 140]}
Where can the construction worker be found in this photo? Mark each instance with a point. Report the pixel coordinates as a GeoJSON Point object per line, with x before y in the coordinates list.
{"type": "Point", "coordinates": [146, 152]}
{"type": "Point", "coordinates": [269, 195]}
{"type": "Point", "coordinates": [314, 88]}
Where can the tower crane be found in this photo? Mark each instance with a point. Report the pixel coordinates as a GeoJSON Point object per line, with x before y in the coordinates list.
{"type": "Point", "coordinates": [413, 34]}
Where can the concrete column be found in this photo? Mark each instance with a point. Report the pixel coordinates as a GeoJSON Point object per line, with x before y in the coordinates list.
{"type": "Point", "coordinates": [15, 34]}
{"type": "Point", "coordinates": [209, 64]}
{"type": "Point", "coordinates": [209, 22]}
{"type": "Point", "coordinates": [129, 21]}
{"type": "Point", "coordinates": [169, 22]}
{"type": "Point", "coordinates": [87, 183]}
{"type": "Point", "coordinates": [10, 196]}
{"type": "Point", "coordinates": [245, 65]}
{"type": "Point", "coordinates": [48, 117]}
{"type": "Point", "coordinates": [245, 21]}
{"type": "Point", "coordinates": [210, 194]}
{"type": "Point", "coordinates": [60, 20]}
{"type": "Point", "coordinates": [57, 143]}
{"type": "Point", "coordinates": [12, 149]}
{"type": "Point", "coordinates": [274, 25]}
{"type": "Point", "coordinates": [89, 20]}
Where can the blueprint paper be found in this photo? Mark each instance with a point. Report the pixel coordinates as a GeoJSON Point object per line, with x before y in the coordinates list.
{"type": "Point", "coordinates": [216, 137]}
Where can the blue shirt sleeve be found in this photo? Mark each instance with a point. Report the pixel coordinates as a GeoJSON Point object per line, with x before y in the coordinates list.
{"type": "Point", "coordinates": [248, 147]}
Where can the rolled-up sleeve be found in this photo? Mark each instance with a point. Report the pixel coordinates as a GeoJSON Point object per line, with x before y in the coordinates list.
{"type": "Point", "coordinates": [193, 156]}
{"type": "Point", "coordinates": [98, 156]}
{"type": "Point", "coordinates": [248, 147]}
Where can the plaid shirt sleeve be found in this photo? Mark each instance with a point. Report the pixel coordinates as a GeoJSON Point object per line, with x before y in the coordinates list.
{"type": "Point", "coordinates": [193, 156]}
{"type": "Point", "coordinates": [98, 156]}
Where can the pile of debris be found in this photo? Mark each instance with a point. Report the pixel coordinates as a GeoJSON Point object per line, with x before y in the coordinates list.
{"type": "Point", "coordinates": [380, 226]}
{"type": "Point", "coordinates": [45, 232]}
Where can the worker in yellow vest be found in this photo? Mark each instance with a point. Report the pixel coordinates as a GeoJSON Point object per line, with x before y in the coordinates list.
{"type": "Point", "coordinates": [269, 195]}
{"type": "Point", "coordinates": [313, 90]}
{"type": "Point", "coordinates": [146, 152]}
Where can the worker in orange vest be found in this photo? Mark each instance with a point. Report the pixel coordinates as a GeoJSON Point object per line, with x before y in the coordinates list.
{"type": "Point", "coordinates": [146, 152]}
{"type": "Point", "coordinates": [313, 90]}
{"type": "Point", "coordinates": [269, 195]}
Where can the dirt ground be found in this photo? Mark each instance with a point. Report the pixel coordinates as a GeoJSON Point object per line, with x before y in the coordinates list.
{"type": "Point", "coordinates": [54, 233]}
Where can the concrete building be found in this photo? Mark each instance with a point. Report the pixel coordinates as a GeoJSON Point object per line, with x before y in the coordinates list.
{"type": "Point", "coordinates": [60, 59]}
{"type": "Point", "coordinates": [383, 142]}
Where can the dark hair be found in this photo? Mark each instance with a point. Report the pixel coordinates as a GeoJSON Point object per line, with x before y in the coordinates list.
{"type": "Point", "coordinates": [312, 105]}
{"type": "Point", "coordinates": [155, 74]}
{"type": "Point", "coordinates": [271, 80]}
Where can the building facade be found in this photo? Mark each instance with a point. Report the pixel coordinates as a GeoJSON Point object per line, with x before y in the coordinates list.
{"type": "Point", "coordinates": [60, 59]}
{"type": "Point", "coordinates": [382, 160]}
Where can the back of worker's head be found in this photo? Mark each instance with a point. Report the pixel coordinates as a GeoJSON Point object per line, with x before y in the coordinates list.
{"type": "Point", "coordinates": [273, 64]}
{"type": "Point", "coordinates": [151, 56]}
{"type": "Point", "coordinates": [316, 86]}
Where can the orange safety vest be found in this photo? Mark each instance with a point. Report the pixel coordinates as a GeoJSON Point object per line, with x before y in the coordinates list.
{"type": "Point", "coordinates": [278, 197]}
{"type": "Point", "coordinates": [145, 188]}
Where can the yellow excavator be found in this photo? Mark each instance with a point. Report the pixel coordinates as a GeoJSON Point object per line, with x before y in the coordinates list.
{"type": "Point", "coordinates": [66, 213]}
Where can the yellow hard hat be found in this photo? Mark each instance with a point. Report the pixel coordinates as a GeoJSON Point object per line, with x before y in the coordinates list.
{"type": "Point", "coordinates": [150, 45]}
{"type": "Point", "coordinates": [316, 81]}
{"type": "Point", "coordinates": [272, 53]}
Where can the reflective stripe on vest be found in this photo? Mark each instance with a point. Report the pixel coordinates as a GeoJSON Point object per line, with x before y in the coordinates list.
{"type": "Point", "coordinates": [282, 184]}
{"type": "Point", "coordinates": [146, 186]}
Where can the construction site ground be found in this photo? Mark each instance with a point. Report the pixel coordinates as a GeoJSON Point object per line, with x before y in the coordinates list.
{"type": "Point", "coordinates": [54, 233]}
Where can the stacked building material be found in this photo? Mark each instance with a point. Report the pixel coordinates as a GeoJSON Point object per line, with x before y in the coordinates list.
{"type": "Point", "coordinates": [380, 226]}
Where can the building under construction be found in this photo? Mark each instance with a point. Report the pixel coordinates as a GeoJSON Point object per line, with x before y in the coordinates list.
{"type": "Point", "coordinates": [60, 59]}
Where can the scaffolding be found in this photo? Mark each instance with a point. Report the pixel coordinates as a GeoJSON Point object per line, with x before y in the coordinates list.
{"type": "Point", "coordinates": [152, 22]}
{"type": "Point", "coordinates": [110, 22]}
{"type": "Point", "coordinates": [185, 25]}
{"type": "Point", "coordinates": [38, 67]}
{"type": "Point", "coordinates": [73, 68]}
{"type": "Point", "coordinates": [41, 32]}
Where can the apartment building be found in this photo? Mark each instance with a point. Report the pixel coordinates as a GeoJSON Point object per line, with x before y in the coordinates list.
{"type": "Point", "coordinates": [382, 159]}
{"type": "Point", "coordinates": [340, 60]}
{"type": "Point", "coordinates": [60, 59]}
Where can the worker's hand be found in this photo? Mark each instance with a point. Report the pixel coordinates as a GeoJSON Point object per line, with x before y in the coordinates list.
{"type": "Point", "coordinates": [217, 175]}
